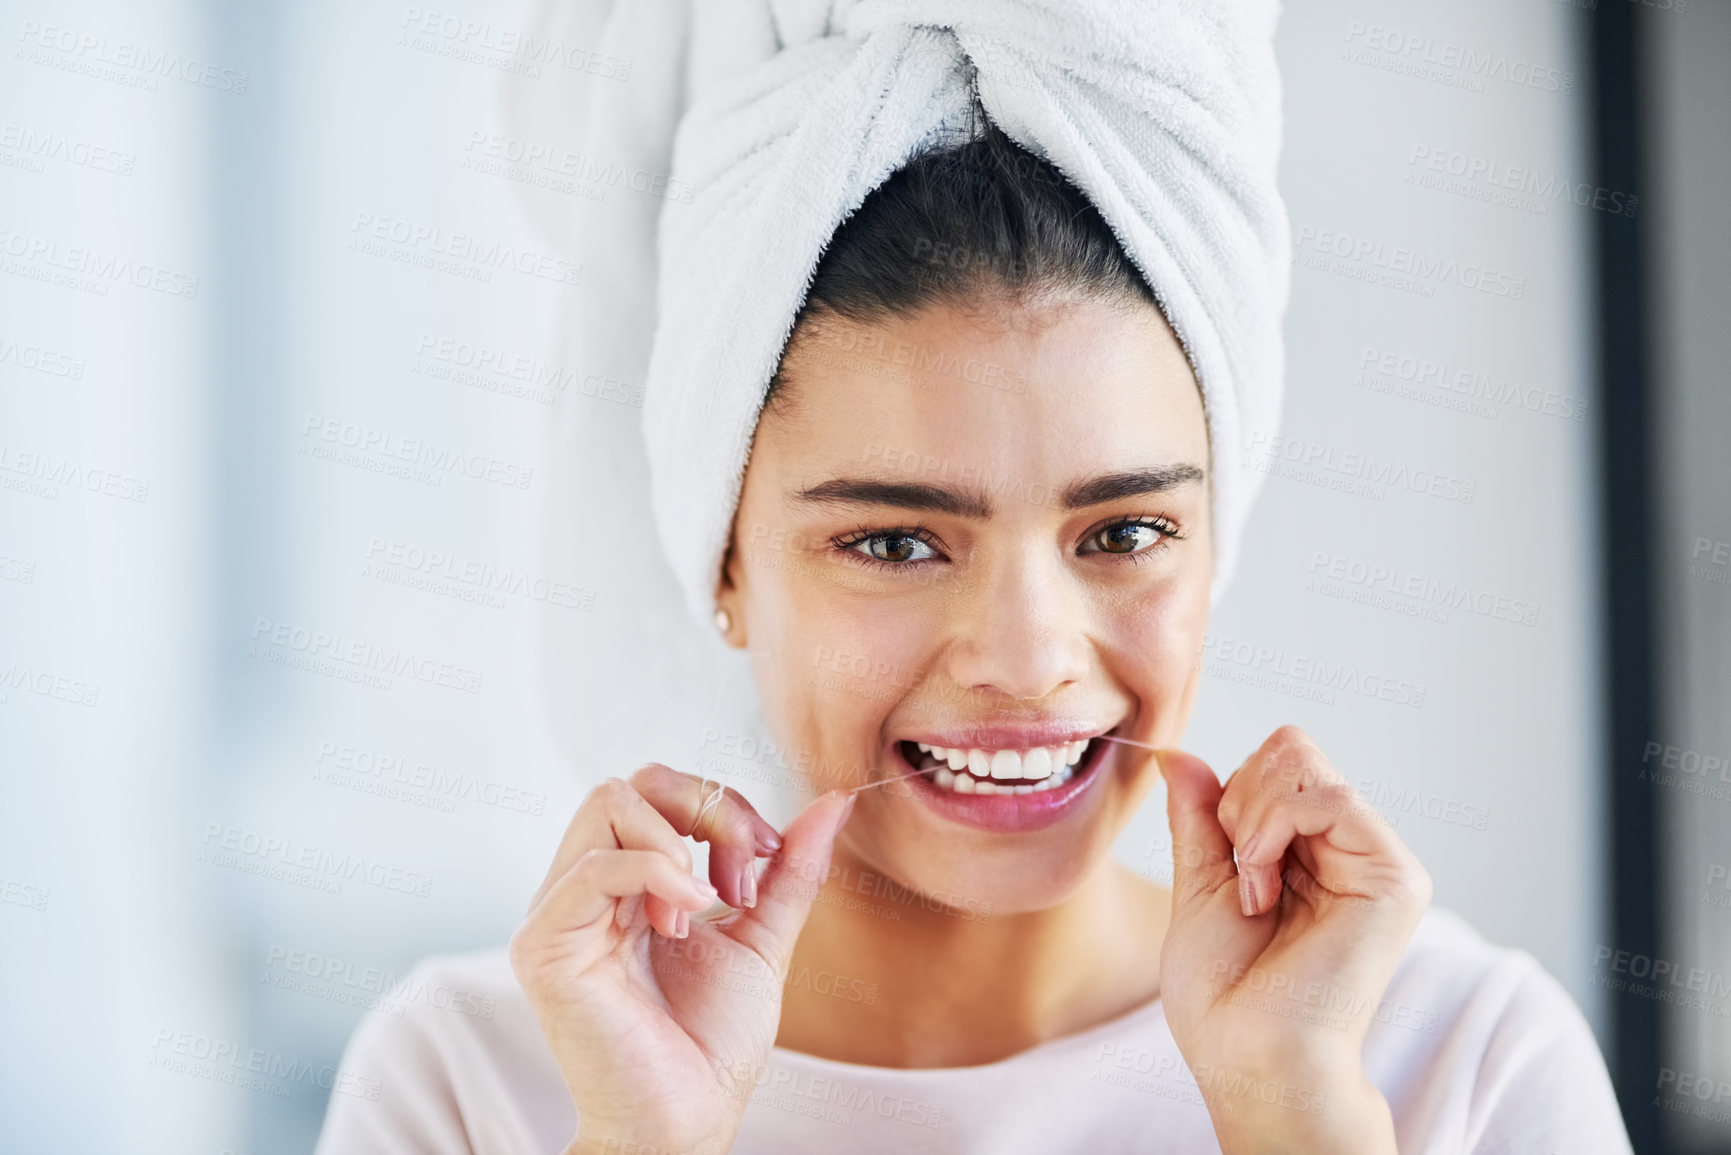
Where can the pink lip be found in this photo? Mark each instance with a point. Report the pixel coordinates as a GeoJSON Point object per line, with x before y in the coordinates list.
{"type": "Point", "coordinates": [1015, 813]}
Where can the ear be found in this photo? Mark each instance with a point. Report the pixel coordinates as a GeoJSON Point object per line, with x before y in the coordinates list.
{"type": "Point", "coordinates": [730, 602]}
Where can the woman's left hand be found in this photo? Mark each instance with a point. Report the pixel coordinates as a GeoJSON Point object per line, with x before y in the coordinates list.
{"type": "Point", "coordinates": [1274, 966]}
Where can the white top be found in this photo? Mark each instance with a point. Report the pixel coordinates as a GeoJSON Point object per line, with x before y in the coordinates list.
{"type": "Point", "coordinates": [1475, 1048]}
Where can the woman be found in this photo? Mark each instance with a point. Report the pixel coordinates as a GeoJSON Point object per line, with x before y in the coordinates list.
{"type": "Point", "coordinates": [972, 557]}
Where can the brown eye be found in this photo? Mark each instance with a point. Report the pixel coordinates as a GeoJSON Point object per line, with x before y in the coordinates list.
{"type": "Point", "coordinates": [1125, 537]}
{"type": "Point", "coordinates": [894, 547]}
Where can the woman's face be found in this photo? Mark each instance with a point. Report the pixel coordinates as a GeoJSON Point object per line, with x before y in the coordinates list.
{"type": "Point", "coordinates": [985, 531]}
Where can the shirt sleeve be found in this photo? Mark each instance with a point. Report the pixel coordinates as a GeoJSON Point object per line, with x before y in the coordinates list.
{"type": "Point", "coordinates": [1542, 1087]}
{"type": "Point", "coordinates": [415, 1111]}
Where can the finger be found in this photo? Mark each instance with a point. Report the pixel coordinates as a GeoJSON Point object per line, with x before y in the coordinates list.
{"type": "Point", "coordinates": [735, 832]}
{"type": "Point", "coordinates": [1287, 768]}
{"type": "Point", "coordinates": [1287, 761]}
{"type": "Point", "coordinates": [795, 875]}
{"type": "Point", "coordinates": [1355, 856]}
{"type": "Point", "coordinates": [614, 817]}
{"type": "Point", "coordinates": [588, 891]}
{"type": "Point", "coordinates": [1201, 851]}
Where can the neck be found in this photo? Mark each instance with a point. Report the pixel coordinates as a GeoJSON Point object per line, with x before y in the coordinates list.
{"type": "Point", "coordinates": [889, 981]}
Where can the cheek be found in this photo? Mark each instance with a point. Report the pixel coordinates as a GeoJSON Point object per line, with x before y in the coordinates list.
{"type": "Point", "coordinates": [834, 655]}
{"type": "Point", "coordinates": [1155, 640]}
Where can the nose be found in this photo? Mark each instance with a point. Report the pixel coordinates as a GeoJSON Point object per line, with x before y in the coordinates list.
{"type": "Point", "coordinates": [1020, 629]}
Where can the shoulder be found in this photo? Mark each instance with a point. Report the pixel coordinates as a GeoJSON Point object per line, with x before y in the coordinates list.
{"type": "Point", "coordinates": [1478, 1041]}
{"type": "Point", "coordinates": [459, 1064]}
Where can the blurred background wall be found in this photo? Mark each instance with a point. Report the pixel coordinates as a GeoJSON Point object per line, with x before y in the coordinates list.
{"type": "Point", "coordinates": [296, 565]}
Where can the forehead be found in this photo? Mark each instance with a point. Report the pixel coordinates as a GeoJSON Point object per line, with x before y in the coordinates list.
{"type": "Point", "coordinates": [1039, 391]}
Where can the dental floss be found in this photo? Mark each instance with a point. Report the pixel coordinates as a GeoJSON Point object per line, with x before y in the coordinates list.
{"type": "Point", "coordinates": [1129, 742]}
{"type": "Point", "coordinates": [882, 781]}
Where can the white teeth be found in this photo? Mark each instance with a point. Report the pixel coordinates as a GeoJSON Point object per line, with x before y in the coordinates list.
{"type": "Point", "coordinates": [1037, 763]}
{"type": "Point", "coordinates": [977, 771]}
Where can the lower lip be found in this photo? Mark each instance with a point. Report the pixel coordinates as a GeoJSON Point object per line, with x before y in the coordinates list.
{"type": "Point", "coordinates": [1014, 813]}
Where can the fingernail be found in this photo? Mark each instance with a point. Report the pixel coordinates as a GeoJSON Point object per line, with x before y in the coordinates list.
{"type": "Point", "coordinates": [846, 810]}
{"type": "Point", "coordinates": [1248, 850]}
{"type": "Point", "coordinates": [681, 925]}
{"type": "Point", "coordinates": [748, 886]}
{"type": "Point", "coordinates": [771, 842]}
{"type": "Point", "coordinates": [704, 888]}
{"type": "Point", "coordinates": [1247, 895]}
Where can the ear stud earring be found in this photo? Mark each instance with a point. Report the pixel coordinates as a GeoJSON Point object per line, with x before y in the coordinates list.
{"type": "Point", "coordinates": [723, 620]}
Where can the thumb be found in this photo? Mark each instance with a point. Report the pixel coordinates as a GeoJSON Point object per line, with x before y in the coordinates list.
{"type": "Point", "coordinates": [794, 877]}
{"type": "Point", "coordinates": [1201, 852]}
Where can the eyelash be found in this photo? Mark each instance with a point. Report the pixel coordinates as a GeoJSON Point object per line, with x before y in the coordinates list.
{"type": "Point", "coordinates": [865, 533]}
{"type": "Point", "coordinates": [845, 543]}
{"type": "Point", "coordinates": [1166, 527]}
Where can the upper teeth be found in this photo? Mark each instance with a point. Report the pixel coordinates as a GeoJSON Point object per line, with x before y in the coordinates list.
{"type": "Point", "coordinates": [1023, 765]}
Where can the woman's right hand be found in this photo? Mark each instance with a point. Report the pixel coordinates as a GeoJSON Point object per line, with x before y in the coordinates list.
{"type": "Point", "coordinates": [660, 1035]}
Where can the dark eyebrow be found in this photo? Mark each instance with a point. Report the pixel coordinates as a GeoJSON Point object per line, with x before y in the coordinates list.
{"type": "Point", "coordinates": [967, 503]}
{"type": "Point", "coordinates": [903, 494]}
{"type": "Point", "coordinates": [1133, 483]}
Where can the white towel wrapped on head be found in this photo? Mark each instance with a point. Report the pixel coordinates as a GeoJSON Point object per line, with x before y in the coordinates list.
{"type": "Point", "coordinates": [1165, 113]}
